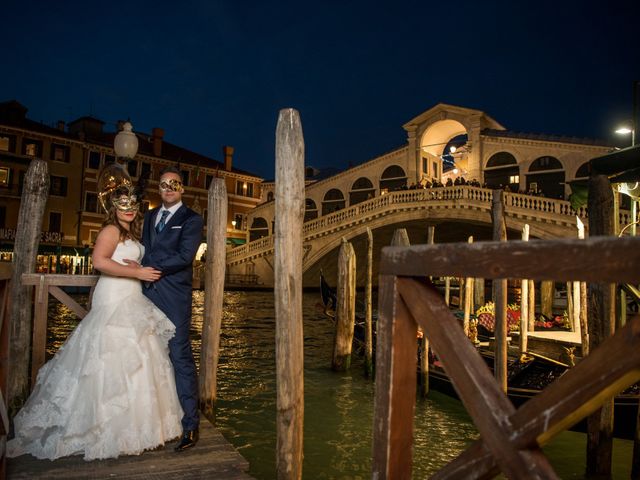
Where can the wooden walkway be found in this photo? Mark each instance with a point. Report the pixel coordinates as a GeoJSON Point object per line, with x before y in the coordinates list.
{"type": "Point", "coordinates": [212, 457]}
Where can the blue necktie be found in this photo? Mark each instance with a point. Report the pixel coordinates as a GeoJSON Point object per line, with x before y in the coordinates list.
{"type": "Point", "coordinates": [161, 223]}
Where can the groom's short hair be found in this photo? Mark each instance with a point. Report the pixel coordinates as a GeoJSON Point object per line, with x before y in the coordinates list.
{"type": "Point", "coordinates": [172, 169]}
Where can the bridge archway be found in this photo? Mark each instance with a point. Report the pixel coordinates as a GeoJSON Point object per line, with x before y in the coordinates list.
{"type": "Point", "coordinates": [433, 143]}
{"type": "Point", "coordinates": [259, 228]}
{"type": "Point", "coordinates": [333, 201]}
{"type": "Point", "coordinates": [393, 178]}
{"type": "Point", "coordinates": [310, 210]}
{"type": "Point", "coordinates": [501, 170]}
{"type": "Point", "coordinates": [546, 175]}
{"type": "Point", "coordinates": [361, 190]}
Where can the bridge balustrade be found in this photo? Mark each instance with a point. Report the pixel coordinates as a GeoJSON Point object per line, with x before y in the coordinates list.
{"type": "Point", "coordinates": [548, 209]}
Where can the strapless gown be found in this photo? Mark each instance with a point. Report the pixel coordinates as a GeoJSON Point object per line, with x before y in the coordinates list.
{"type": "Point", "coordinates": [110, 389]}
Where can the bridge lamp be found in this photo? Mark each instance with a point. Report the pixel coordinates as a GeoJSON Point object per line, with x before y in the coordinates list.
{"type": "Point", "coordinates": [233, 223]}
{"type": "Point", "coordinates": [125, 145]}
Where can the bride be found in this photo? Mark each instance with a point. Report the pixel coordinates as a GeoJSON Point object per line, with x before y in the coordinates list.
{"type": "Point", "coordinates": [110, 389]}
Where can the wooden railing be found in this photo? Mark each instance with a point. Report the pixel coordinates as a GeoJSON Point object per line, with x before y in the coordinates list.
{"type": "Point", "coordinates": [5, 302]}
{"type": "Point", "coordinates": [510, 440]}
{"type": "Point", "coordinates": [548, 209]}
{"type": "Point", "coordinates": [45, 285]}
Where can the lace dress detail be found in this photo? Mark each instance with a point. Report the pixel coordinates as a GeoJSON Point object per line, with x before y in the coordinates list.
{"type": "Point", "coordinates": [110, 389]}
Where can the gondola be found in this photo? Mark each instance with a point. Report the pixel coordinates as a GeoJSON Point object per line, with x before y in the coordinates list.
{"type": "Point", "coordinates": [525, 377]}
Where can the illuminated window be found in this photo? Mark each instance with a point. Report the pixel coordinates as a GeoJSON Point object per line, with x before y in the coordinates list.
{"type": "Point", "coordinates": [59, 153]}
{"type": "Point", "coordinates": [514, 178]}
{"type": "Point", "coordinates": [249, 190]}
{"type": "Point", "coordinates": [240, 223]}
{"type": "Point", "coordinates": [6, 143]}
{"type": "Point", "coordinates": [4, 176]}
{"type": "Point", "coordinates": [30, 149]}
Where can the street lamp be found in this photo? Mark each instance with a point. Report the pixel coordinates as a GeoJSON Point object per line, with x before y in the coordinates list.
{"type": "Point", "coordinates": [625, 130]}
{"type": "Point", "coordinates": [126, 143]}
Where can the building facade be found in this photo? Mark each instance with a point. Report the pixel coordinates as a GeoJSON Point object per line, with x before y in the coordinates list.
{"type": "Point", "coordinates": [75, 154]}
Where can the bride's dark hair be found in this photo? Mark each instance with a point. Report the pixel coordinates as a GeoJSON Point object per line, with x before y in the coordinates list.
{"type": "Point", "coordinates": [135, 230]}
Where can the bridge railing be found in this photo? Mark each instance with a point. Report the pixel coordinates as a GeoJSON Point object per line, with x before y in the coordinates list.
{"type": "Point", "coordinates": [545, 208]}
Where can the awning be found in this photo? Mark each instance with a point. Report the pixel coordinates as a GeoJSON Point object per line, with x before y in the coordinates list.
{"type": "Point", "coordinates": [236, 241]}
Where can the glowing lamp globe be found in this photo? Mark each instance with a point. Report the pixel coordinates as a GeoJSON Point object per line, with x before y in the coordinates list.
{"type": "Point", "coordinates": [126, 143]}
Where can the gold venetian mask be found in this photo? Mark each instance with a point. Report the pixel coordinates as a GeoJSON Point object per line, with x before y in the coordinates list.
{"type": "Point", "coordinates": [171, 185]}
{"type": "Point", "coordinates": [115, 188]}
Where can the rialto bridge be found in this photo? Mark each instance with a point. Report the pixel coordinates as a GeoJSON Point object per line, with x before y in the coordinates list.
{"type": "Point", "coordinates": [456, 213]}
{"type": "Point", "coordinates": [444, 142]}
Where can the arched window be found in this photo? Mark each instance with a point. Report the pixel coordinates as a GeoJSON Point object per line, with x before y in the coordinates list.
{"type": "Point", "coordinates": [546, 177]}
{"type": "Point", "coordinates": [583, 171]}
{"type": "Point", "coordinates": [502, 170]}
{"type": "Point", "coordinates": [259, 228]}
{"type": "Point", "coordinates": [332, 202]}
{"type": "Point", "coordinates": [310, 210]}
{"type": "Point", "coordinates": [361, 190]}
{"type": "Point", "coordinates": [393, 178]}
{"type": "Point", "coordinates": [269, 196]}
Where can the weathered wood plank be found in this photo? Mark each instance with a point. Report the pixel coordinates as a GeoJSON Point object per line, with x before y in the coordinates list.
{"type": "Point", "coordinates": [289, 209]}
{"type": "Point", "coordinates": [368, 312]}
{"type": "Point", "coordinates": [601, 320]}
{"type": "Point", "coordinates": [214, 293]}
{"type": "Point", "coordinates": [500, 295]}
{"type": "Point", "coordinates": [579, 392]}
{"type": "Point", "coordinates": [524, 303]}
{"type": "Point", "coordinates": [610, 259]}
{"type": "Point", "coordinates": [488, 406]}
{"type": "Point", "coordinates": [212, 457]}
{"type": "Point", "coordinates": [58, 279]}
{"type": "Point", "coordinates": [34, 197]}
{"type": "Point", "coordinates": [346, 308]}
{"type": "Point", "coordinates": [395, 387]}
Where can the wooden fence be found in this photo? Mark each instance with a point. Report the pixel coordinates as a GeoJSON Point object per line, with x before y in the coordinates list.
{"type": "Point", "coordinates": [510, 439]}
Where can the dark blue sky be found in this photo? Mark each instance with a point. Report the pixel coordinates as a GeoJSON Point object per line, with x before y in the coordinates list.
{"type": "Point", "coordinates": [215, 73]}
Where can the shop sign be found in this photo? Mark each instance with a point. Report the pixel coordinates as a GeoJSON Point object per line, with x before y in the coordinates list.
{"type": "Point", "coordinates": [45, 237]}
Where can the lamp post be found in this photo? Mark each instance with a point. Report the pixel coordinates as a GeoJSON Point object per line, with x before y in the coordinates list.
{"type": "Point", "coordinates": [125, 144]}
{"type": "Point", "coordinates": [634, 116]}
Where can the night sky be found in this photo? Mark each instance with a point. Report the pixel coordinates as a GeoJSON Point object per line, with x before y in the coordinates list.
{"type": "Point", "coordinates": [214, 73]}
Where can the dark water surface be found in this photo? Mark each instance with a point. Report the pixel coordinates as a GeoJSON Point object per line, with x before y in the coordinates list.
{"type": "Point", "coordinates": [338, 407]}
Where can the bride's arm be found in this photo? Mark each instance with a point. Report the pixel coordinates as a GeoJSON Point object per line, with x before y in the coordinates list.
{"type": "Point", "coordinates": [106, 244]}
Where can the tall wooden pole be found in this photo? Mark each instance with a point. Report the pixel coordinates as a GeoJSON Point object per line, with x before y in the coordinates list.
{"type": "Point", "coordinates": [424, 341]}
{"type": "Point", "coordinates": [500, 295]}
{"type": "Point", "coordinates": [368, 312]}
{"type": "Point", "coordinates": [524, 303]}
{"type": "Point", "coordinates": [468, 299]}
{"type": "Point", "coordinates": [546, 298]}
{"type": "Point", "coordinates": [346, 308]}
{"type": "Point", "coordinates": [601, 320]}
{"type": "Point", "coordinates": [34, 198]}
{"type": "Point", "coordinates": [289, 207]}
{"type": "Point", "coordinates": [532, 305]}
{"type": "Point", "coordinates": [213, 295]}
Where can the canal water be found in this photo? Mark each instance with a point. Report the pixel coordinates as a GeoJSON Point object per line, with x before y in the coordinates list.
{"type": "Point", "coordinates": [338, 406]}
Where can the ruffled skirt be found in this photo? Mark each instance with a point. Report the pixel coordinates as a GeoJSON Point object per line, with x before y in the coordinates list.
{"type": "Point", "coordinates": [110, 389]}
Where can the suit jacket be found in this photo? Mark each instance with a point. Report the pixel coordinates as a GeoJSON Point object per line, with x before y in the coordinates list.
{"type": "Point", "coordinates": [172, 252]}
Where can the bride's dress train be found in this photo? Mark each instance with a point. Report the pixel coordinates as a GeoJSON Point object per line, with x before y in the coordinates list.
{"type": "Point", "coordinates": [110, 389]}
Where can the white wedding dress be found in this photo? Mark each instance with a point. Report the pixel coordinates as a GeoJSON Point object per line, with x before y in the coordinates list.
{"type": "Point", "coordinates": [110, 389]}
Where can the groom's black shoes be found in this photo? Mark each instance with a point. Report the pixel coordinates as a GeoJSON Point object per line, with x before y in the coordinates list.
{"type": "Point", "coordinates": [189, 439]}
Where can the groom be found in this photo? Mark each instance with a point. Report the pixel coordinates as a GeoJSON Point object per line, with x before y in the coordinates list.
{"type": "Point", "coordinates": [171, 236]}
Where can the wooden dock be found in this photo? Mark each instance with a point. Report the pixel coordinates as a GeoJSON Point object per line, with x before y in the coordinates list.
{"type": "Point", "coordinates": [212, 457]}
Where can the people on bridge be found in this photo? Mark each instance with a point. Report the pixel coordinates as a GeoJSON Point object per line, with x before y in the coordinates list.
{"type": "Point", "coordinates": [110, 389]}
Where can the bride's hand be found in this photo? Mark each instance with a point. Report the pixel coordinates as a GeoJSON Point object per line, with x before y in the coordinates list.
{"type": "Point", "coordinates": [148, 274]}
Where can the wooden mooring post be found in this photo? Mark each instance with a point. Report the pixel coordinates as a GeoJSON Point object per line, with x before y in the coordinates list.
{"type": "Point", "coordinates": [34, 197]}
{"type": "Point", "coordinates": [346, 308]}
{"type": "Point", "coordinates": [214, 295]}
{"type": "Point", "coordinates": [524, 303]}
{"type": "Point", "coordinates": [368, 310]}
{"type": "Point", "coordinates": [500, 294]}
{"type": "Point", "coordinates": [424, 341]}
{"type": "Point", "coordinates": [289, 209]}
{"type": "Point", "coordinates": [601, 325]}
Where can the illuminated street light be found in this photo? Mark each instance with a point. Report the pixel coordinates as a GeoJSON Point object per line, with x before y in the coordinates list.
{"type": "Point", "coordinates": [126, 143]}
{"type": "Point", "coordinates": [624, 131]}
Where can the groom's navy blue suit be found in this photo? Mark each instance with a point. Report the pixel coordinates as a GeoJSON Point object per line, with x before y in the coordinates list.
{"type": "Point", "coordinates": [172, 251]}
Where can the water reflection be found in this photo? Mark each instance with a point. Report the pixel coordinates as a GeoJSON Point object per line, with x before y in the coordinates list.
{"type": "Point", "coordinates": [338, 407]}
